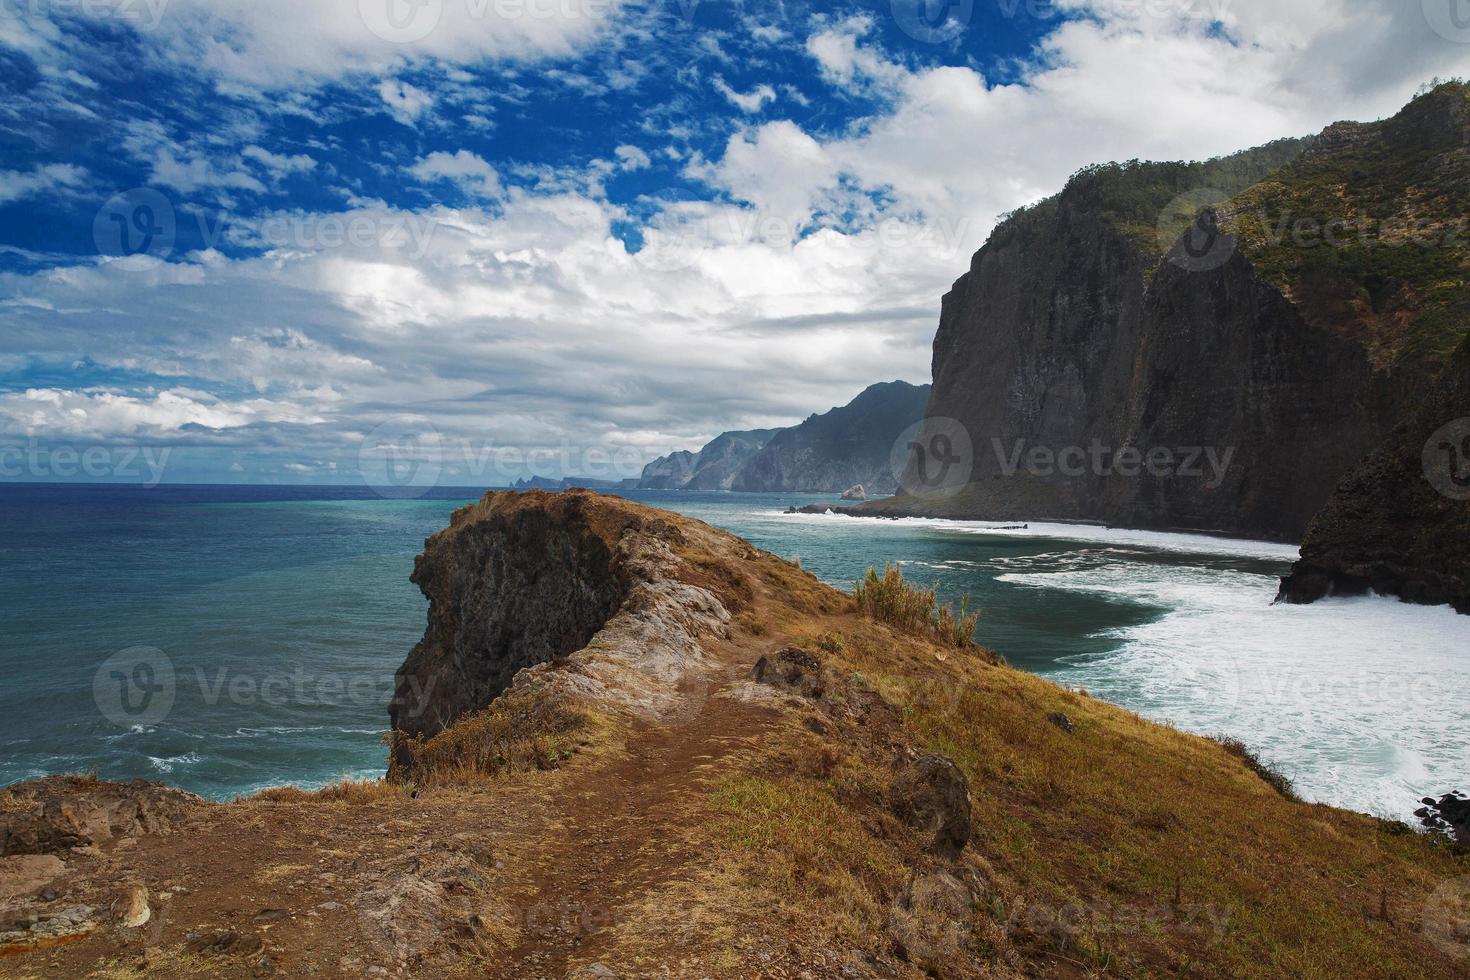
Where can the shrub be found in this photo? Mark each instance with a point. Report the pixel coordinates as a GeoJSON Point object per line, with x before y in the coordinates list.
{"type": "Point", "coordinates": [1273, 777]}
{"type": "Point", "coordinates": [891, 599]}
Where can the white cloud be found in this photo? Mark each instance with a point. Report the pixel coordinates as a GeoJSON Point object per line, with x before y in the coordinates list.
{"type": "Point", "coordinates": [15, 185]}
{"type": "Point", "coordinates": [751, 101]}
{"type": "Point", "coordinates": [470, 171]}
{"type": "Point", "coordinates": [280, 165]}
{"type": "Point", "coordinates": [631, 158]}
{"type": "Point", "coordinates": [406, 102]}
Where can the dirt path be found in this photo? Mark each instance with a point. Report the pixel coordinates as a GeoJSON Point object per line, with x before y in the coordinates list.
{"type": "Point", "coordinates": [628, 826]}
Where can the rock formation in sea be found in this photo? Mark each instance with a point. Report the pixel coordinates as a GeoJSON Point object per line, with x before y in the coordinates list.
{"type": "Point", "coordinates": [1212, 345]}
{"type": "Point", "coordinates": [631, 745]}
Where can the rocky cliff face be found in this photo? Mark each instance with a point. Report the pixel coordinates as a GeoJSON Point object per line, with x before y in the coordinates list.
{"type": "Point", "coordinates": [1105, 368]}
{"type": "Point", "coordinates": [1399, 523]}
{"type": "Point", "coordinates": [521, 580]}
{"type": "Point", "coordinates": [847, 446]}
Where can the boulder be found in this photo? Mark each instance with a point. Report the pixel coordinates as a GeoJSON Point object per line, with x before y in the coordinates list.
{"type": "Point", "coordinates": [792, 669]}
{"type": "Point", "coordinates": [855, 493]}
{"type": "Point", "coordinates": [932, 795]}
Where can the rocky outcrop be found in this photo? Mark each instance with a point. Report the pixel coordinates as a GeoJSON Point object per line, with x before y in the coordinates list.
{"type": "Point", "coordinates": [1099, 363]}
{"type": "Point", "coordinates": [858, 492]}
{"type": "Point", "coordinates": [51, 815]}
{"type": "Point", "coordinates": [832, 452]}
{"type": "Point", "coordinates": [1399, 524]}
{"type": "Point", "coordinates": [588, 587]}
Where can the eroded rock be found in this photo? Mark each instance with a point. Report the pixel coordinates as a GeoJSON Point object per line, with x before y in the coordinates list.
{"type": "Point", "coordinates": [932, 795]}
{"type": "Point", "coordinates": [792, 669]}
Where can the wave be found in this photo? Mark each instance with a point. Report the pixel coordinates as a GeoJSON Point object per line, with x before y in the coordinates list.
{"type": "Point", "coordinates": [1359, 700]}
{"type": "Point", "coordinates": [1167, 541]}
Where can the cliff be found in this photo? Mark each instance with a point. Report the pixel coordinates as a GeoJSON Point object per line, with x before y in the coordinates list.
{"type": "Point", "coordinates": [839, 449]}
{"type": "Point", "coordinates": [638, 746]}
{"type": "Point", "coordinates": [827, 453]}
{"type": "Point", "coordinates": [1399, 523]}
{"type": "Point", "coordinates": [1215, 318]}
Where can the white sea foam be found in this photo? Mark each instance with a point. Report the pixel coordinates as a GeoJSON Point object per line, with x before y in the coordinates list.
{"type": "Point", "coordinates": [1195, 544]}
{"type": "Point", "coordinates": [1360, 701]}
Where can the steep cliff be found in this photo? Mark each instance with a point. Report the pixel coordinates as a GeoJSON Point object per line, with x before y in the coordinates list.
{"type": "Point", "coordinates": [1399, 524]}
{"type": "Point", "coordinates": [846, 446]}
{"type": "Point", "coordinates": [1188, 346]}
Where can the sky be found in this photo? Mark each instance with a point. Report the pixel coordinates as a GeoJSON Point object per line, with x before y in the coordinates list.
{"type": "Point", "coordinates": [305, 242]}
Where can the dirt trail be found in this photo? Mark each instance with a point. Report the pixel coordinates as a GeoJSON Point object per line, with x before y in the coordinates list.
{"type": "Point", "coordinates": [626, 826]}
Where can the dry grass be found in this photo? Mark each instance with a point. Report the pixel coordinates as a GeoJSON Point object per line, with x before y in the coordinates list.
{"type": "Point", "coordinates": [521, 731]}
{"type": "Point", "coordinates": [891, 599]}
{"type": "Point", "coordinates": [1274, 777]}
{"type": "Point", "coordinates": [351, 791]}
{"type": "Point", "coordinates": [1124, 847]}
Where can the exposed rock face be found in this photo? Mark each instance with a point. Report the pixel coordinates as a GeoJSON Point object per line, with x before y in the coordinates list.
{"type": "Point", "coordinates": [1254, 370]}
{"type": "Point", "coordinates": [1399, 524]}
{"type": "Point", "coordinates": [850, 445]}
{"type": "Point", "coordinates": [521, 580]}
{"type": "Point", "coordinates": [55, 814]}
{"type": "Point", "coordinates": [858, 492]}
{"type": "Point", "coordinates": [669, 472]}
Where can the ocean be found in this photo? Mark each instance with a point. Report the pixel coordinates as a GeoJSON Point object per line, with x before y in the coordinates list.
{"type": "Point", "coordinates": [263, 626]}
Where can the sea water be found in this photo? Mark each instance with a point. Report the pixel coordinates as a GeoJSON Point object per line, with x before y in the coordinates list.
{"type": "Point", "coordinates": [264, 625]}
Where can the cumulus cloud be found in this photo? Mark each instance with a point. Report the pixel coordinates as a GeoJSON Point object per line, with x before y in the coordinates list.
{"type": "Point", "coordinates": [807, 263]}
{"type": "Point", "coordinates": [469, 170]}
{"type": "Point", "coordinates": [406, 102]}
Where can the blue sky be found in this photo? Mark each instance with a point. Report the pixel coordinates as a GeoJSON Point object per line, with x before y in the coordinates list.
{"type": "Point", "coordinates": [277, 239]}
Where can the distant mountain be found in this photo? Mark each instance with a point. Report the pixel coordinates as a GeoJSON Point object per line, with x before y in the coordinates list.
{"type": "Point", "coordinates": [1282, 308]}
{"type": "Point", "coordinates": [847, 446]}
{"type": "Point", "coordinates": [825, 454]}
{"type": "Point", "coordinates": [722, 458]}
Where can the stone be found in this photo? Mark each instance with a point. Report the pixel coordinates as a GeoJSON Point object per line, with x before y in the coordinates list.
{"type": "Point", "coordinates": [932, 795]}
{"type": "Point", "coordinates": [133, 911]}
{"type": "Point", "coordinates": [1061, 721]}
{"type": "Point", "coordinates": [792, 669]}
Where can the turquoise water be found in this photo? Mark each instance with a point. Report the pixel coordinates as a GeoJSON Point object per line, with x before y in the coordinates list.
{"type": "Point", "coordinates": [228, 639]}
